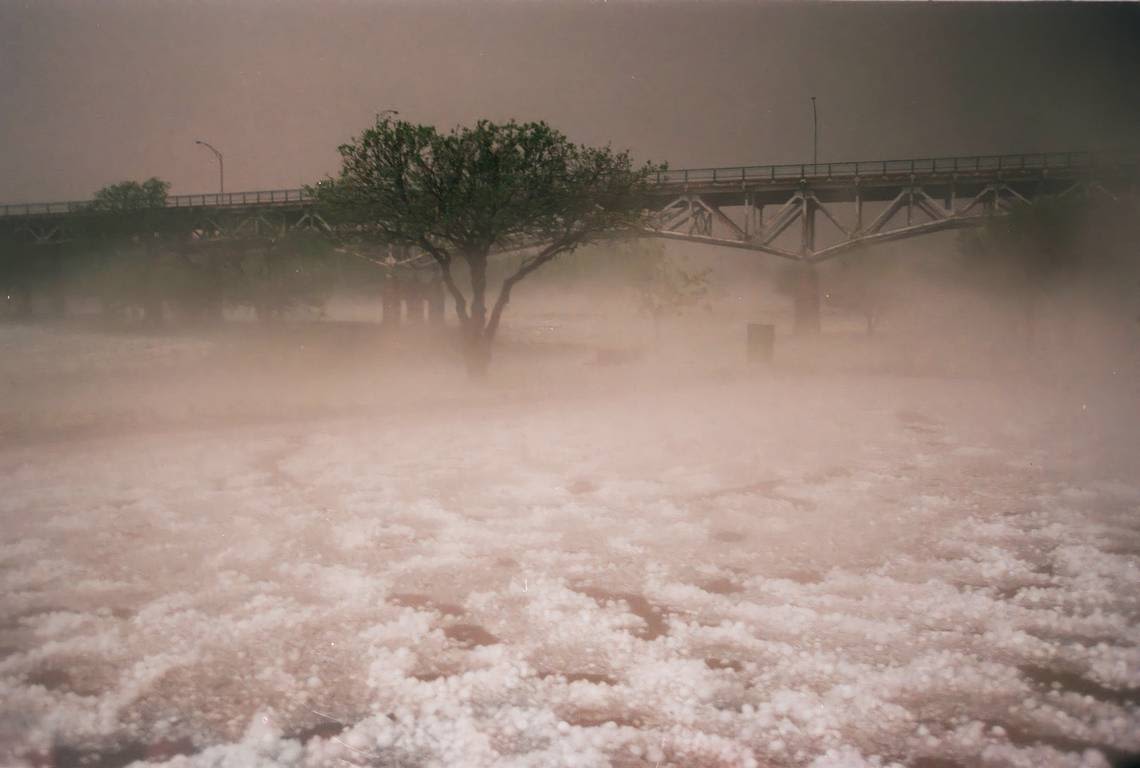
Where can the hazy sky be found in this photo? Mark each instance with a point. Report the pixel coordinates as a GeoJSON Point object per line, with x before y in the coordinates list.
{"type": "Point", "coordinates": [97, 92]}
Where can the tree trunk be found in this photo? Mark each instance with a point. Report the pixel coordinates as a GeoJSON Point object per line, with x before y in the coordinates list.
{"type": "Point", "coordinates": [477, 265]}
{"type": "Point", "coordinates": [390, 302]}
{"type": "Point", "coordinates": [414, 302]}
{"type": "Point", "coordinates": [476, 340]}
{"type": "Point", "coordinates": [476, 353]}
{"type": "Point", "coordinates": [435, 302]}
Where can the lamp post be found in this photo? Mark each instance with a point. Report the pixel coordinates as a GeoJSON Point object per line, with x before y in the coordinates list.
{"type": "Point", "coordinates": [221, 165]}
{"type": "Point", "coordinates": [814, 134]}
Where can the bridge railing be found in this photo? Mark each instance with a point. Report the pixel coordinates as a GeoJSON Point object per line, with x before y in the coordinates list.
{"type": "Point", "coordinates": [31, 209]}
{"type": "Point", "coordinates": [209, 200]}
{"type": "Point", "coordinates": [871, 168]}
{"type": "Point", "coordinates": [239, 199]}
{"type": "Point", "coordinates": [1059, 161]}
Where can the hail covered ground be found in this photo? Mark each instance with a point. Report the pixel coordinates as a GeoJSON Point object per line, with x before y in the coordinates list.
{"type": "Point", "coordinates": [310, 546]}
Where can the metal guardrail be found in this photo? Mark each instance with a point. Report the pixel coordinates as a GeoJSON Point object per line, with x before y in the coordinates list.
{"type": "Point", "coordinates": [1059, 161]}
{"type": "Point", "coordinates": [1047, 161]}
{"type": "Point", "coordinates": [265, 197]}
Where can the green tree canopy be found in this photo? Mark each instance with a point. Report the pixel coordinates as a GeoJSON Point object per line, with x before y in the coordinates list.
{"type": "Point", "coordinates": [129, 209]}
{"type": "Point", "coordinates": [131, 196]}
{"type": "Point", "coordinates": [463, 194]}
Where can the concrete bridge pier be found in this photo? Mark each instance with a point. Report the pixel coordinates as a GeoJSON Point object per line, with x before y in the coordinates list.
{"type": "Point", "coordinates": [806, 299]}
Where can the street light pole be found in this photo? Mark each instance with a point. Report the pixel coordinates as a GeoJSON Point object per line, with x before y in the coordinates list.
{"type": "Point", "coordinates": [221, 165]}
{"type": "Point", "coordinates": [815, 134]}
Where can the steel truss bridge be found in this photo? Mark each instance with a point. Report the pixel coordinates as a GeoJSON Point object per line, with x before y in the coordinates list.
{"type": "Point", "coordinates": [758, 208]}
{"type": "Point", "coordinates": [870, 202]}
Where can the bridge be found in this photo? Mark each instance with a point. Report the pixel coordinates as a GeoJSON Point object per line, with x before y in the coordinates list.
{"type": "Point", "coordinates": [920, 196]}
{"type": "Point", "coordinates": [768, 209]}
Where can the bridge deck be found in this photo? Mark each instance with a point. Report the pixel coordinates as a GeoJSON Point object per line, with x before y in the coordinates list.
{"type": "Point", "coordinates": [869, 173]}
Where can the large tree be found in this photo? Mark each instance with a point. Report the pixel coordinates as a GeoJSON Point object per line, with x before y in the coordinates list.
{"type": "Point", "coordinates": [131, 196]}
{"type": "Point", "coordinates": [464, 194]}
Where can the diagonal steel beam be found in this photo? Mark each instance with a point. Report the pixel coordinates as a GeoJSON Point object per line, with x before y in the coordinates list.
{"type": "Point", "coordinates": [783, 219]}
{"type": "Point", "coordinates": [1096, 186]}
{"type": "Point", "coordinates": [894, 207]}
{"type": "Point", "coordinates": [1014, 193]}
{"type": "Point", "coordinates": [932, 207]}
{"type": "Point", "coordinates": [724, 242]}
{"type": "Point", "coordinates": [933, 211]}
{"type": "Point", "coordinates": [978, 199]}
{"type": "Point", "coordinates": [823, 209]}
{"type": "Point", "coordinates": [668, 215]}
{"type": "Point", "coordinates": [897, 234]}
{"type": "Point", "coordinates": [719, 216]}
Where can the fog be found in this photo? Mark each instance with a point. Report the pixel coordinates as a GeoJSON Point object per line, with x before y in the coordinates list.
{"type": "Point", "coordinates": [318, 542]}
{"type": "Point", "coordinates": [256, 512]}
{"type": "Point", "coordinates": [91, 94]}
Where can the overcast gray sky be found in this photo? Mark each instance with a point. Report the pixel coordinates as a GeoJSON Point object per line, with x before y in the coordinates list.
{"type": "Point", "coordinates": [93, 93]}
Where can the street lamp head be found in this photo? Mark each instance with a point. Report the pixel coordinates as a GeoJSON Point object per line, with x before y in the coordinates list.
{"type": "Point", "coordinates": [221, 165]}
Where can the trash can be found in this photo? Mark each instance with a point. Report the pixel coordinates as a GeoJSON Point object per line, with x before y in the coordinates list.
{"type": "Point", "coordinates": [761, 341]}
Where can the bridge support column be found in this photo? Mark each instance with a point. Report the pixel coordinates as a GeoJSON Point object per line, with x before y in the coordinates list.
{"type": "Point", "coordinates": [753, 216]}
{"type": "Point", "coordinates": [806, 306]}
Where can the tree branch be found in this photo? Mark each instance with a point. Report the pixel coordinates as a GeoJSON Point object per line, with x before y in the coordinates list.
{"type": "Point", "coordinates": [527, 266]}
{"type": "Point", "coordinates": [443, 258]}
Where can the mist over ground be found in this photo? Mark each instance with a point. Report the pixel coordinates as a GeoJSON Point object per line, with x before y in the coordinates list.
{"type": "Point", "coordinates": [317, 542]}
{"type": "Point", "coordinates": [249, 519]}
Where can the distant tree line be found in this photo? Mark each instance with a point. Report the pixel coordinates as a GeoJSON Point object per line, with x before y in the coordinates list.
{"type": "Point", "coordinates": [137, 266]}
